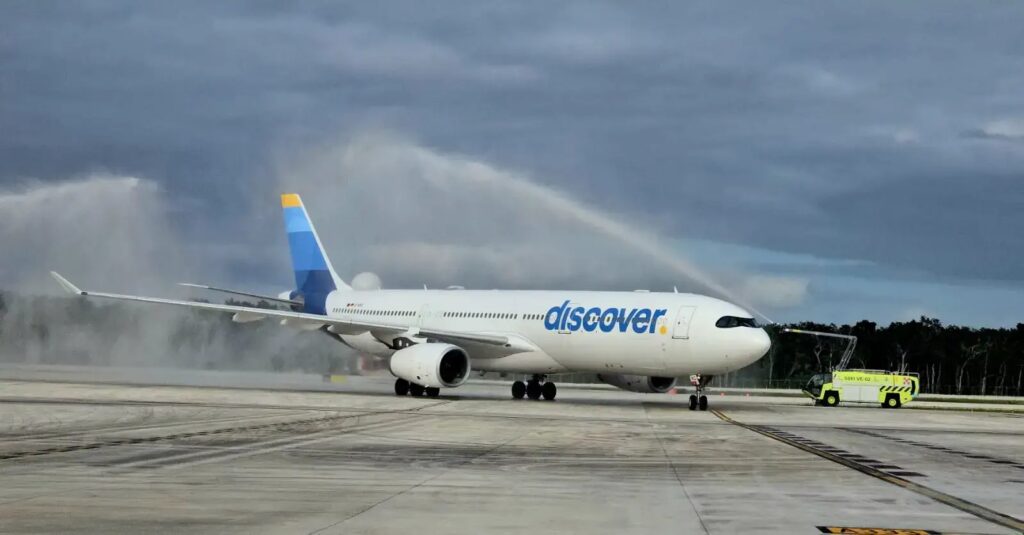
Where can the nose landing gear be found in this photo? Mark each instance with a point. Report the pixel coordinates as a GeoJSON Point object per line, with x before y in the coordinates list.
{"type": "Point", "coordinates": [698, 400]}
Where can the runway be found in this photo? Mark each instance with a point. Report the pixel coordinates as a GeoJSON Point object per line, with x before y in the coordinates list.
{"type": "Point", "coordinates": [353, 458]}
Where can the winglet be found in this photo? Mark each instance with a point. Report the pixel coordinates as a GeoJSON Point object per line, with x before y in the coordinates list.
{"type": "Point", "coordinates": [66, 284]}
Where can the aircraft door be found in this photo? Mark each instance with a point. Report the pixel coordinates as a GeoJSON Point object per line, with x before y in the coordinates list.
{"type": "Point", "coordinates": [682, 327]}
{"type": "Point", "coordinates": [424, 313]}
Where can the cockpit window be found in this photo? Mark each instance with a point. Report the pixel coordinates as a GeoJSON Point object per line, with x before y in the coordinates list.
{"type": "Point", "coordinates": [728, 322]}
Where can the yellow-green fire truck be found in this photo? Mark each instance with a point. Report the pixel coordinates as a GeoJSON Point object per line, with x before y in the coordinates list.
{"type": "Point", "coordinates": [890, 389]}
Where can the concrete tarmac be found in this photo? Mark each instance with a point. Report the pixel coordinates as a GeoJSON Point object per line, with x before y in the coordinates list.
{"type": "Point", "coordinates": [353, 458]}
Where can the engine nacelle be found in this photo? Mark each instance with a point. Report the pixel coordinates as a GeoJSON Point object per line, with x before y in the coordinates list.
{"type": "Point", "coordinates": [639, 383]}
{"type": "Point", "coordinates": [431, 364]}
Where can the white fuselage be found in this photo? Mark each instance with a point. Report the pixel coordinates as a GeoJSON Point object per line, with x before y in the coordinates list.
{"type": "Point", "coordinates": [642, 333]}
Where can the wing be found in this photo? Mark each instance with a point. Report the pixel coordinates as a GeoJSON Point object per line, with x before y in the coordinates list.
{"type": "Point", "coordinates": [271, 299]}
{"type": "Point", "coordinates": [508, 344]}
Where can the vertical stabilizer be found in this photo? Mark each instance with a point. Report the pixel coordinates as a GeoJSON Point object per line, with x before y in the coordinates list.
{"type": "Point", "coordinates": [314, 275]}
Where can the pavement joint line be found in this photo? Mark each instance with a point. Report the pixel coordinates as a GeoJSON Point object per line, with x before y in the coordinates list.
{"type": "Point", "coordinates": [192, 458]}
{"type": "Point", "coordinates": [943, 449]}
{"type": "Point", "coordinates": [443, 472]}
{"type": "Point", "coordinates": [675, 470]}
{"type": "Point", "coordinates": [139, 440]}
{"type": "Point", "coordinates": [69, 435]}
{"type": "Point", "coordinates": [972, 508]}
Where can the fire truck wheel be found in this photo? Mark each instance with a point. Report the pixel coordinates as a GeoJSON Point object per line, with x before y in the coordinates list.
{"type": "Point", "coordinates": [892, 401]}
{"type": "Point", "coordinates": [831, 399]}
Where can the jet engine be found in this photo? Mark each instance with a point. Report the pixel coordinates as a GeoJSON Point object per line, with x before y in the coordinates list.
{"type": "Point", "coordinates": [639, 383]}
{"type": "Point", "coordinates": [431, 365]}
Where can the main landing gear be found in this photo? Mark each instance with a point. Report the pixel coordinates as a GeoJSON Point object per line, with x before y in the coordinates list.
{"type": "Point", "coordinates": [698, 400]}
{"type": "Point", "coordinates": [535, 388]}
{"type": "Point", "coordinates": [403, 387]}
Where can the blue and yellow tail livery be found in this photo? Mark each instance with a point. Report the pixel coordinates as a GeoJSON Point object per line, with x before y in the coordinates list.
{"type": "Point", "coordinates": [314, 276]}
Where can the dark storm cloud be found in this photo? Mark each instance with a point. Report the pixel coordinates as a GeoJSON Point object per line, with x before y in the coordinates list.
{"type": "Point", "coordinates": [877, 131]}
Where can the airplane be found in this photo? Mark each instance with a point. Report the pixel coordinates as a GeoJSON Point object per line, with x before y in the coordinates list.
{"type": "Point", "coordinates": [637, 341]}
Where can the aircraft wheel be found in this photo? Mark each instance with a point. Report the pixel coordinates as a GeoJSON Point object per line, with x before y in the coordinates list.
{"type": "Point", "coordinates": [415, 389]}
{"type": "Point", "coordinates": [518, 390]}
{"type": "Point", "coordinates": [401, 387]}
{"type": "Point", "coordinates": [533, 390]}
{"type": "Point", "coordinates": [549, 390]}
{"type": "Point", "coordinates": [433, 391]}
{"type": "Point", "coordinates": [693, 402]}
{"type": "Point", "coordinates": [703, 403]}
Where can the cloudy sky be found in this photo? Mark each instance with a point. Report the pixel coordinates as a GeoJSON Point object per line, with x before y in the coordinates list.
{"type": "Point", "coordinates": [816, 160]}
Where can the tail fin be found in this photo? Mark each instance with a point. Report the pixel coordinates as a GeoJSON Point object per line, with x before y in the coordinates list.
{"type": "Point", "coordinates": [314, 275]}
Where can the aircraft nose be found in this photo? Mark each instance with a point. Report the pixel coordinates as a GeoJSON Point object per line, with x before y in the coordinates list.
{"type": "Point", "coordinates": [760, 343]}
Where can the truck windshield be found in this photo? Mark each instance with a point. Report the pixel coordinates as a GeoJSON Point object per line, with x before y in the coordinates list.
{"type": "Point", "coordinates": [816, 382]}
